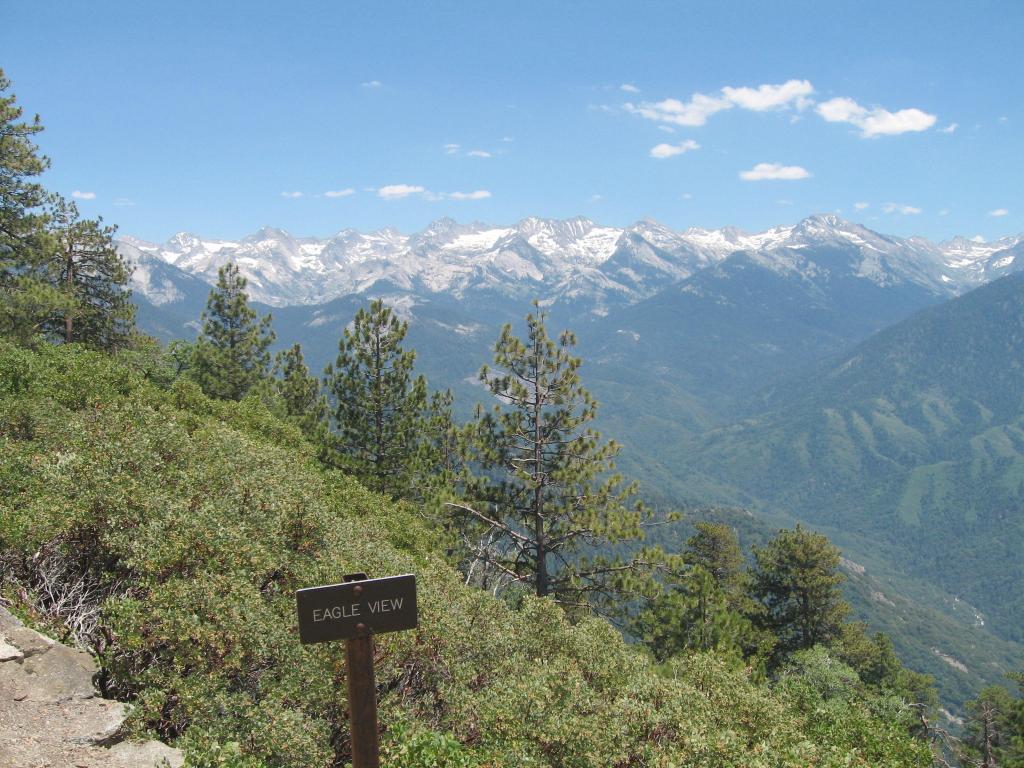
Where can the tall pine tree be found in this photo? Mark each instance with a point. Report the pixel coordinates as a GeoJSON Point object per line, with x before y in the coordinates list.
{"type": "Point", "coordinates": [29, 298]}
{"type": "Point", "coordinates": [544, 490]}
{"type": "Point", "coordinates": [94, 278]}
{"type": "Point", "coordinates": [231, 354]}
{"type": "Point", "coordinates": [796, 581]}
{"type": "Point", "coordinates": [378, 404]}
{"type": "Point", "coordinates": [300, 393]}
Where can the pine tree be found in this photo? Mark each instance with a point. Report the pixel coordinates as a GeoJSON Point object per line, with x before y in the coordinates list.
{"type": "Point", "coordinates": [715, 548]}
{"type": "Point", "coordinates": [796, 582]}
{"type": "Point", "coordinates": [544, 485]}
{"type": "Point", "coordinates": [94, 277]}
{"type": "Point", "coordinates": [28, 296]}
{"type": "Point", "coordinates": [696, 614]}
{"type": "Point", "coordinates": [299, 392]}
{"type": "Point", "coordinates": [988, 735]}
{"type": "Point", "coordinates": [231, 354]}
{"type": "Point", "coordinates": [378, 405]}
{"type": "Point", "coordinates": [438, 464]}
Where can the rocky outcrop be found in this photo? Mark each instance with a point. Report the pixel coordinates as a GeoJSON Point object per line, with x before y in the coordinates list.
{"type": "Point", "coordinates": [50, 714]}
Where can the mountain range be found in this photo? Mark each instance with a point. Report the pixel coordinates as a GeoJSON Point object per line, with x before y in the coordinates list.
{"type": "Point", "coordinates": [554, 259]}
{"type": "Point", "coordinates": [822, 372]}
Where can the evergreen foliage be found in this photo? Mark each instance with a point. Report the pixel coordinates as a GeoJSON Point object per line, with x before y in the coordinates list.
{"type": "Point", "coordinates": [189, 523]}
{"type": "Point", "coordinates": [378, 404]}
{"type": "Point", "coordinates": [716, 548]}
{"type": "Point", "coordinates": [544, 490]}
{"type": "Point", "coordinates": [994, 733]}
{"type": "Point", "coordinates": [695, 614]}
{"type": "Point", "coordinates": [231, 354]}
{"type": "Point", "coordinates": [60, 276]}
{"type": "Point", "coordinates": [304, 405]}
{"type": "Point", "coordinates": [28, 295]}
{"type": "Point", "coordinates": [94, 278]}
{"type": "Point", "coordinates": [796, 580]}
{"type": "Point", "coordinates": [708, 607]}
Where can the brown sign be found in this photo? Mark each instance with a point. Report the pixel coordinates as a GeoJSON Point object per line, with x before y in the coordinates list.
{"type": "Point", "coordinates": [356, 609]}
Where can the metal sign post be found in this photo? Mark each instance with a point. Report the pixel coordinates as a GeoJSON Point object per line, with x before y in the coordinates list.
{"type": "Point", "coordinates": [354, 611]}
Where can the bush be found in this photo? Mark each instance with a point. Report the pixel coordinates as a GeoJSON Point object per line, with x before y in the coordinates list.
{"type": "Point", "coordinates": [194, 521]}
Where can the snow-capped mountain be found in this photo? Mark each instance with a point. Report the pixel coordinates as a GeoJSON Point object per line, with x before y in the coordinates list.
{"type": "Point", "coordinates": [554, 259]}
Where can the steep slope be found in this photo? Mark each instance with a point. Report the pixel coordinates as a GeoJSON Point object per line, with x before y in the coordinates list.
{"type": "Point", "coordinates": [190, 524]}
{"type": "Point", "coordinates": [914, 441]}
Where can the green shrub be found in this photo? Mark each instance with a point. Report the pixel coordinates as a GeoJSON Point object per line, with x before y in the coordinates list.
{"type": "Point", "coordinates": [193, 522]}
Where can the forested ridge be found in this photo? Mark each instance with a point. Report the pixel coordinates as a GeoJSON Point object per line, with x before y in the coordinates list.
{"type": "Point", "coordinates": [160, 505]}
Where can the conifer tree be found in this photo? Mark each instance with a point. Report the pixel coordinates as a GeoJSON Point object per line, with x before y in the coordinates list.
{"type": "Point", "coordinates": [706, 608]}
{"type": "Point", "coordinates": [94, 277]}
{"type": "Point", "coordinates": [715, 548]}
{"type": "Point", "coordinates": [377, 403]}
{"type": "Point", "coordinates": [796, 581]}
{"type": "Point", "coordinates": [299, 392]}
{"type": "Point", "coordinates": [28, 295]}
{"type": "Point", "coordinates": [695, 614]}
{"type": "Point", "coordinates": [544, 486]}
{"type": "Point", "coordinates": [438, 464]}
{"type": "Point", "coordinates": [231, 354]}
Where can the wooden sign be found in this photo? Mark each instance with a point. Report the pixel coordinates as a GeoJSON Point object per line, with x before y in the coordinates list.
{"type": "Point", "coordinates": [356, 609]}
{"type": "Point", "coordinates": [354, 612]}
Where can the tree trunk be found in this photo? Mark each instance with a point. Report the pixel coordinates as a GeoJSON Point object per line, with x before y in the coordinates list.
{"type": "Point", "coordinates": [538, 479]}
{"type": "Point", "coordinates": [69, 321]}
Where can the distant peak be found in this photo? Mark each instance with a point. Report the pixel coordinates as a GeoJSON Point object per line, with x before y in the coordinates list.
{"type": "Point", "coordinates": [440, 226]}
{"type": "Point", "coordinates": [824, 220]}
{"type": "Point", "coordinates": [270, 233]}
{"type": "Point", "coordinates": [183, 240]}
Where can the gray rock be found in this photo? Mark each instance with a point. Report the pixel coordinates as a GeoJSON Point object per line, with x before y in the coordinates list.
{"type": "Point", "coordinates": [8, 652]}
{"type": "Point", "coordinates": [50, 716]}
{"type": "Point", "coordinates": [146, 754]}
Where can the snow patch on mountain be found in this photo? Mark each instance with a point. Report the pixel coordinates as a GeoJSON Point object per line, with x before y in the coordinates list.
{"type": "Point", "coordinates": [552, 259]}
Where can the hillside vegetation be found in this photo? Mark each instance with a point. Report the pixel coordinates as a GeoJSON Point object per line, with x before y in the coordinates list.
{"type": "Point", "coordinates": [171, 531]}
{"type": "Point", "coordinates": [915, 439]}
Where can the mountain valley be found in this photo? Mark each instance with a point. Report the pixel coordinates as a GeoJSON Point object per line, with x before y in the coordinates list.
{"type": "Point", "coordinates": [727, 364]}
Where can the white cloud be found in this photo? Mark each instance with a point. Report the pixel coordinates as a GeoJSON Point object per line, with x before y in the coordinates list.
{"type": "Point", "coordinates": [480, 194]}
{"type": "Point", "coordinates": [79, 195]}
{"type": "Point", "coordinates": [398, 191]}
{"type": "Point", "coordinates": [629, 88]}
{"type": "Point", "coordinates": [902, 208]}
{"type": "Point", "coordinates": [876, 121]}
{"type": "Point", "coordinates": [774, 171]}
{"type": "Point", "coordinates": [998, 212]}
{"type": "Point", "coordinates": [666, 128]}
{"type": "Point", "coordinates": [687, 196]}
{"type": "Point", "coordinates": [507, 139]}
{"type": "Point", "coordinates": [783, 201]}
{"type": "Point", "coordinates": [841, 110]}
{"type": "Point", "coordinates": [951, 128]}
{"type": "Point", "coordinates": [124, 202]}
{"type": "Point", "coordinates": [861, 206]}
{"type": "Point", "coordinates": [696, 111]}
{"type": "Point", "coordinates": [977, 239]}
{"type": "Point", "coordinates": [944, 212]}
{"type": "Point", "coordinates": [372, 84]}
{"type": "Point", "coordinates": [663, 151]}
{"type": "Point", "coordinates": [451, 149]}
{"type": "Point", "coordinates": [478, 153]}
{"type": "Point", "coordinates": [340, 192]}
{"type": "Point", "coordinates": [292, 195]}
{"type": "Point", "coordinates": [596, 198]}
{"type": "Point", "coordinates": [765, 97]}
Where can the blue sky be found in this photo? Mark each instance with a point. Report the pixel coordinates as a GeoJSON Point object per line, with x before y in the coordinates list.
{"type": "Point", "coordinates": [221, 117]}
